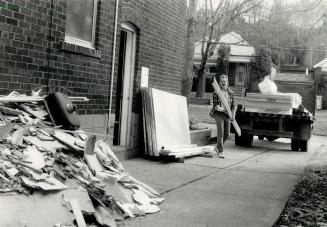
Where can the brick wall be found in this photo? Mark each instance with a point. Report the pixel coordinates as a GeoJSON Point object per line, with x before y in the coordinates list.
{"type": "Point", "coordinates": [33, 52]}
{"type": "Point", "coordinates": [160, 44]}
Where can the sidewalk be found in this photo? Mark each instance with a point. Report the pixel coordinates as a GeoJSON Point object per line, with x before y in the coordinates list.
{"type": "Point", "coordinates": [248, 188]}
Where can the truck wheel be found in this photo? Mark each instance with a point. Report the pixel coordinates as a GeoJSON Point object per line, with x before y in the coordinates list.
{"type": "Point", "coordinates": [304, 144]}
{"type": "Point", "coordinates": [271, 138]}
{"type": "Point", "coordinates": [248, 139]}
{"type": "Point", "coordinates": [261, 137]}
{"type": "Point", "coordinates": [295, 145]}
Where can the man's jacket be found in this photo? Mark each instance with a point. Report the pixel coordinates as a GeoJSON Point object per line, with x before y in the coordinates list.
{"type": "Point", "coordinates": [216, 101]}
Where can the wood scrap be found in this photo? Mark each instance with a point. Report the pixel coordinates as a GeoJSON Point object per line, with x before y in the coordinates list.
{"type": "Point", "coordinates": [18, 135]}
{"type": "Point", "coordinates": [4, 178]}
{"type": "Point", "coordinates": [6, 129]}
{"type": "Point", "coordinates": [178, 146]}
{"type": "Point", "coordinates": [51, 146]}
{"type": "Point", "coordinates": [186, 152]}
{"type": "Point", "coordinates": [147, 187]}
{"type": "Point", "coordinates": [77, 212]}
{"type": "Point", "coordinates": [126, 209]}
{"type": "Point", "coordinates": [67, 139]}
{"type": "Point", "coordinates": [38, 114]}
{"type": "Point", "coordinates": [44, 137]}
{"type": "Point", "coordinates": [140, 197]}
{"type": "Point", "coordinates": [35, 157]}
{"type": "Point", "coordinates": [93, 163]}
{"type": "Point", "coordinates": [149, 208]}
{"type": "Point", "coordinates": [89, 144]}
{"type": "Point", "coordinates": [106, 150]}
{"type": "Point", "coordinates": [49, 185]}
{"type": "Point", "coordinates": [81, 195]}
{"type": "Point", "coordinates": [104, 218]}
{"type": "Point", "coordinates": [9, 111]}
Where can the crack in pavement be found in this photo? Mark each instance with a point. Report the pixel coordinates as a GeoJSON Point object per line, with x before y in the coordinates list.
{"type": "Point", "coordinates": [217, 170]}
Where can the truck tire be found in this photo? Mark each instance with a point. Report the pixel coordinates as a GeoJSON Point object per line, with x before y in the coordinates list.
{"type": "Point", "coordinates": [304, 144]}
{"type": "Point", "coordinates": [295, 145]}
{"type": "Point", "coordinates": [245, 140]}
{"type": "Point", "coordinates": [261, 137]}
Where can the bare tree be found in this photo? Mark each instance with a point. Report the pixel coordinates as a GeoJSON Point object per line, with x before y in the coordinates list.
{"type": "Point", "coordinates": [216, 23]}
{"type": "Point", "coordinates": [187, 73]}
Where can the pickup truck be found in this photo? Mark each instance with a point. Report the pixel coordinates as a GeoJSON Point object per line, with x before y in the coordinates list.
{"type": "Point", "coordinates": [297, 126]}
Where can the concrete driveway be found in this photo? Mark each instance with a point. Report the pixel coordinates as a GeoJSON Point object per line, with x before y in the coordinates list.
{"type": "Point", "coordinates": [247, 188]}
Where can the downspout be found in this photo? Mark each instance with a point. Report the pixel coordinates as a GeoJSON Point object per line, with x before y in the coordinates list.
{"type": "Point", "coordinates": [49, 47]}
{"type": "Point", "coordinates": [112, 70]}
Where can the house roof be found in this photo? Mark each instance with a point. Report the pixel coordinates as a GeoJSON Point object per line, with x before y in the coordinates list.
{"type": "Point", "coordinates": [233, 38]}
{"type": "Point", "coordinates": [321, 64]}
{"type": "Point", "coordinates": [240, 51]}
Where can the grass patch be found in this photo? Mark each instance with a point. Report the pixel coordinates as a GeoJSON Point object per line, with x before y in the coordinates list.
{"type": "Point", "coordinates": [307, 205]}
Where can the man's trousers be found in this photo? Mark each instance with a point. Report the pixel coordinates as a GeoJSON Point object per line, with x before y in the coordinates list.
{"type": "Point", "coordinates": [223, 130]}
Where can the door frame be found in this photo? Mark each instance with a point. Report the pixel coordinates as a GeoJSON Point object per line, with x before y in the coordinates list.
{"type": "Point", "coordinates": [127, 85]}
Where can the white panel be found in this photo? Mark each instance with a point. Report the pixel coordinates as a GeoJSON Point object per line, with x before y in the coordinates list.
{"type": "Point", "coordinates": [171, 119]}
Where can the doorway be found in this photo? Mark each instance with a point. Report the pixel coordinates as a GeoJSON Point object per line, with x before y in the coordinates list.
{"type": "Point", "coordinates": [125, 79]}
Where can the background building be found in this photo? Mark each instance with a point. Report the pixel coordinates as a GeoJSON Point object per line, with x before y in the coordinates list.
{"type": "Point", "coordinates": [240, 56]}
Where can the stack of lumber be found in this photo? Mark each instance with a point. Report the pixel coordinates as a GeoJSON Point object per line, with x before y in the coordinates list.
{"type": "Point", "coordinates": [185, 151]}
{"type": "Point", "coordinates": [165, 122]}
{"type": "Point", "coordinates": [58, 171]}
{"type": "Point", "coordinates": [281, 103]}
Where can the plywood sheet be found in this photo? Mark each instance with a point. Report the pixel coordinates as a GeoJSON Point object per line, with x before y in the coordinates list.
{"type": "Point", "coordinates": [171, 119]}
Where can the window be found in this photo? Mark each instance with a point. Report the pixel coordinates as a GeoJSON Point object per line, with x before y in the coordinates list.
{"type": "Point", "coordinates": [80, 22]}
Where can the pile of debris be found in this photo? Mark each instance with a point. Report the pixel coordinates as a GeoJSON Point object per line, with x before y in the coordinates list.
{"type": "Point", "coordinates": [39, 160]}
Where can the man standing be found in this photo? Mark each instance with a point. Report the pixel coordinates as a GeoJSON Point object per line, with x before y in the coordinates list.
{"type": "Point", "coordinates": [220, 114]}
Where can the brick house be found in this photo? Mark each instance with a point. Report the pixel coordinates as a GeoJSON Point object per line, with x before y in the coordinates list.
{"type": "Point", "coordinates": [69, 45]}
